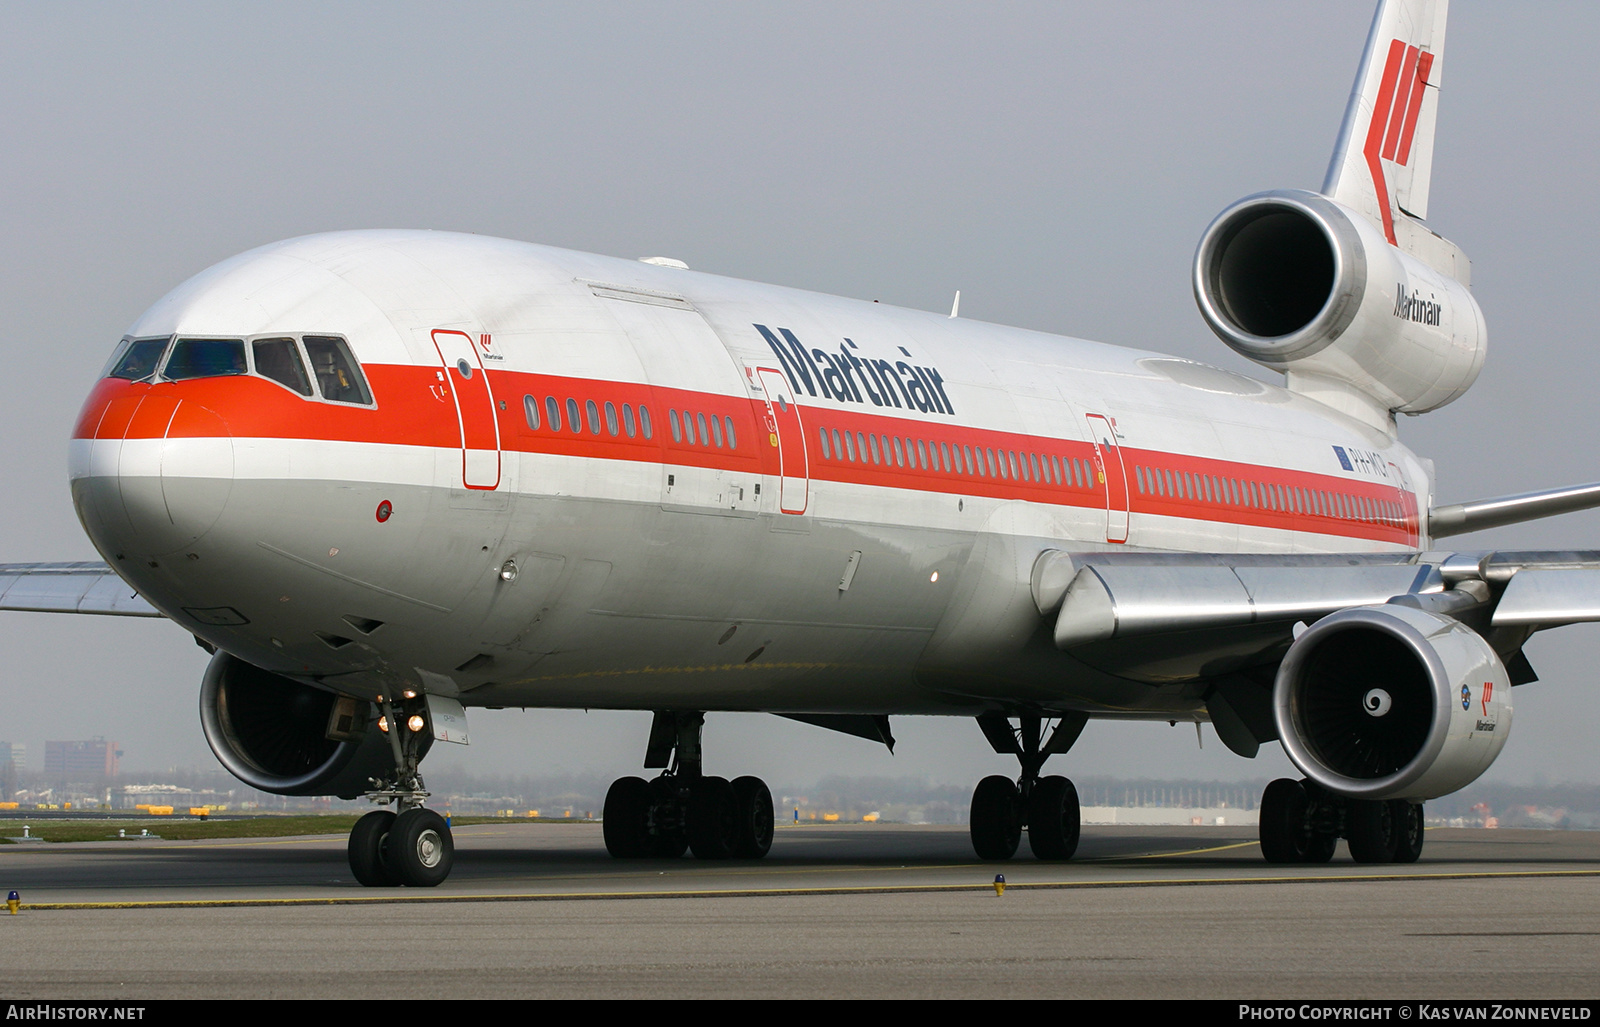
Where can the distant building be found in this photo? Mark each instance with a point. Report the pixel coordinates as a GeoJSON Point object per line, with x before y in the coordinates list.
{"type": "Point", "coordinates": [91, 760]}
{"type": "Point", "coordinates": [14, 754]}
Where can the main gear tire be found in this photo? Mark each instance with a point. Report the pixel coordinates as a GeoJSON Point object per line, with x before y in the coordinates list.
{"type": "Point", "coordinates": [713, 822]}
{"type": "Point", "coordinates": [1053, 818]}
{"type": "Point", "coordinates": [1372, 831]}
{"type": "Point", "coordinates": [752, 806]}
{"type": "Point", "coordinates": [625, 820]}
{"type": "Point", "coordinates": [1407, 818]}
{"type": "Point", "coordinates": [1285, 823]}
{"type": "Point", "coordinates": [995, 820]}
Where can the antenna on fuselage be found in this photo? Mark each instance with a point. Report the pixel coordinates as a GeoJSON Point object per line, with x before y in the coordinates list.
{"type": "Point", "coordinates": [955, 308]}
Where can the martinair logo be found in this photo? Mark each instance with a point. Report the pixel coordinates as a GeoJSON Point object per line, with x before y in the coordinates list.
{"type": "Point", "coordinates": [1394, 117]}
{"type": "Point", "coordinates": [1410, 306]}
{"type": "Point", "coordinates": [848, 378]}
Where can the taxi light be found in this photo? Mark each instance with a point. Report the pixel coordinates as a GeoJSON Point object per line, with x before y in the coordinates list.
{"type": "Point", "coordinates": [383, 724]}
{"type": "Point", "coordinates": [415, 722]}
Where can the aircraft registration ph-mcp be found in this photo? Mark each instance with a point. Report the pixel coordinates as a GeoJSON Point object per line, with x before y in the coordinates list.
{"type": "Point", "coordinates": [385, 476]}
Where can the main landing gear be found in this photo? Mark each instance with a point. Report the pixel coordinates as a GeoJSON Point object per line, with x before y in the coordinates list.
{"type": "Point", "coordinates": [412, 847]}
{"type": "Point", "coordinates": [1302, 823]}
{"type": "Point", "coordinates": [683, 808]}
{"type": "Point", "coordinates": [1046, 806]}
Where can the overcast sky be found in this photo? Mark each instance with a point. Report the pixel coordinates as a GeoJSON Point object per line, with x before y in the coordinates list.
{"type": "Point", "coordinates": [1056, 162]}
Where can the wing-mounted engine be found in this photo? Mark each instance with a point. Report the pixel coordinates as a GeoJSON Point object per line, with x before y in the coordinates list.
{"type": "Point", "coordinates": [1304, 285]}
{"type": "Point", "coordinates": [1392, 702]}
{"type": "Point", "coordinates": [286, 737]}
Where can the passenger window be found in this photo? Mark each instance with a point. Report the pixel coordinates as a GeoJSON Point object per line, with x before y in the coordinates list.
{"type": "Point", "coordinates": [677, 431]}
{"type": "Point", "coordinates": [644, 422]}
{"type": "Point", "coordinates": [727, 429]}
{"type": "Point", "coordinates": [552, 411]}
{"type": "Point", "coordinates": [838, 451]}
{"type": "Point", "coordinates": [574, 418]}
{"type": "Point", "coordinates": [716, 431]}
{"type": "Point", "coordinates": [627, 420]}
{"type": "Point", "coordinates": [335, 369]}
{"type": "Point", "coordinates": [827, 451]}
{"type": "Point", "coordinates": [873, 439]}
{"type": "Point", "coordinates": [279, 360]}
{"type": "Point", "coordinates": [139, 361]}
{"type": "Point", "coordinates": [850, 446]}
{"type": "Point", "coordinates": [205, 358]}
{"type": "Point", "coordinates": [530, 410]}
{"type": "Point", "coordinates": [611, 419]}
{"type": "Point", "coordinates": [594, 417]}
{"type": "Point", "coordinates": [700, 419]}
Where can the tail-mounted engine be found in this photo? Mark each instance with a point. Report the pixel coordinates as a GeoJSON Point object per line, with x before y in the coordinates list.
{"type": "Point", "coordinates": [1301, 284]}
{"type": "Point", "coordinates": [1390, 702]}
{"type": "Point", "coordinates": [289, 738]}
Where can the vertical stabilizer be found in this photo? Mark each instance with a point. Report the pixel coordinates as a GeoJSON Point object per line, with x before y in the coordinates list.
{"type": "Point", "coordinates": [1384, 157]}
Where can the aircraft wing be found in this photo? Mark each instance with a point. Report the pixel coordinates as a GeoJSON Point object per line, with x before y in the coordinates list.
{"type": "Point", "coordinates": [1169, 617]}
{"type": "Point", "coordinates": [87, 587]}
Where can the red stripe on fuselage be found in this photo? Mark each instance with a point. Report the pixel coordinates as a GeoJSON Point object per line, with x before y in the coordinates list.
{"type": "Point", "coordinates": [410, 413]}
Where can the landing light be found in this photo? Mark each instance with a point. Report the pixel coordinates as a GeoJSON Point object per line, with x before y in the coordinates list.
{"type": "Point", "coordinates": [934, 576]}
{"type": "Point", "coordinates": [383, 724]}
{"type": "Point", "coordinates": [415, 722]}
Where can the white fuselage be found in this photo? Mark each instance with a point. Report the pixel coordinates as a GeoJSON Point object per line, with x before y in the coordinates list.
{"type": "Point", "coordinates": [836, 507]}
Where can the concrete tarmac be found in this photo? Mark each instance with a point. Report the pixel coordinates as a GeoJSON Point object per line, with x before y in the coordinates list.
{"type": "Point", "coordinates": [533, 911]}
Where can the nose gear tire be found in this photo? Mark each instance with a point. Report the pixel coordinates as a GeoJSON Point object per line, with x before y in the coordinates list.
{"type": "Point", "coordinates": [366, 850]}
{"type": "Point", "coordinates": [419, 848]}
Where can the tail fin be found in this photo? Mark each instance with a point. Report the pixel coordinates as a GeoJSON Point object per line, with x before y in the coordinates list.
{"type": "Point", "coordinates": [1384, 158]}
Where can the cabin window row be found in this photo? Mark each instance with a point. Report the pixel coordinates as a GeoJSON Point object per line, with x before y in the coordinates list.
{"type": "Point", "coordinates": [589, 415]}
{"type": "Point", "coordinates": [702, 429]}
{"type": "Point", "coordinates": [1245, 493]}
{"type": "Point", "coordinates": [975, 461]}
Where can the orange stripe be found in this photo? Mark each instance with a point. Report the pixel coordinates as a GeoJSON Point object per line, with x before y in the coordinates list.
{"type": "Point", "coordinates": [409, 413]}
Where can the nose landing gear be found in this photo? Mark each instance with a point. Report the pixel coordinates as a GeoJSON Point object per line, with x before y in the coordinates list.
{"type": "Point", "coordinates": [412, 847]}
{"type": "Point", "coordinates": [1046, 806]}
{"type": "Point", "coordinates": [684, 808]}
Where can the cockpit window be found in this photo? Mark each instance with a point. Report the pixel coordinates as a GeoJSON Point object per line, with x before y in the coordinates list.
{"type": "Point", "coordinates": [336, 371]}
{"type": "Point", "coordinates": [139, 360]}
{"type": "Point", "coordinates": [279, 359]}
{"type": "Point", "coordinates": [205, 358]}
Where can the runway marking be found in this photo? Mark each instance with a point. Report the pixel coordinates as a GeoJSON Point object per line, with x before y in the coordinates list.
{"type": "Point", "coordinates": [705, 893]}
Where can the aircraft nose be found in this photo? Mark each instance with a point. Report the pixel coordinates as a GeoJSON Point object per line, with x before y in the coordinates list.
{"type": "Point", "coordinates": [160, 481]}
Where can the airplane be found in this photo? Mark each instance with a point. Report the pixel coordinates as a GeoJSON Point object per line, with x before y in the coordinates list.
{"type": "Point", "coordinates": [388, 476]}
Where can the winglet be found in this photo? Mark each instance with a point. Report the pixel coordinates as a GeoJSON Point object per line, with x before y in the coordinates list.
{"type": "Point", "coordinates": [1384, 158]}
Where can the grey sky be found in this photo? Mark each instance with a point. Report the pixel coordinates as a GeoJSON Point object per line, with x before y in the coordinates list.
{"type": "Point", "coordinates": [1056, 162]}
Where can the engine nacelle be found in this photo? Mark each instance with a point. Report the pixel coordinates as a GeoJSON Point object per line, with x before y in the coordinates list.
{"type": "Point", "coordinates": [272, 733]}
{"type": "Point", "coordinates": [1297, 282]}
{"type": "Point", "coordinates": [1390, 702]}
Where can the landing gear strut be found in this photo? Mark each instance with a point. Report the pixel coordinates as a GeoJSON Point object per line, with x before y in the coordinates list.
{"type": "Point", "coordinates": [684, 808]}
{"type": "Point", "coordinates": [1301, 823]}
{"type": "Point", "coordinates": [412, 847]}
{"type": "Point", "coordinates": [1046, 806]}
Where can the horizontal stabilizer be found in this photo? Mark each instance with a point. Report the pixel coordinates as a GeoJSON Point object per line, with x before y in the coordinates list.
{"type": "Point", "coordinates": [1459, 518]}
{"type": "Point", "coordinates": [69, 588]}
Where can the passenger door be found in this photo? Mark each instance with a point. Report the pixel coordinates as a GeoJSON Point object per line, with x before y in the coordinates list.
{"type": "Point", "coordinates": [467, 383]}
